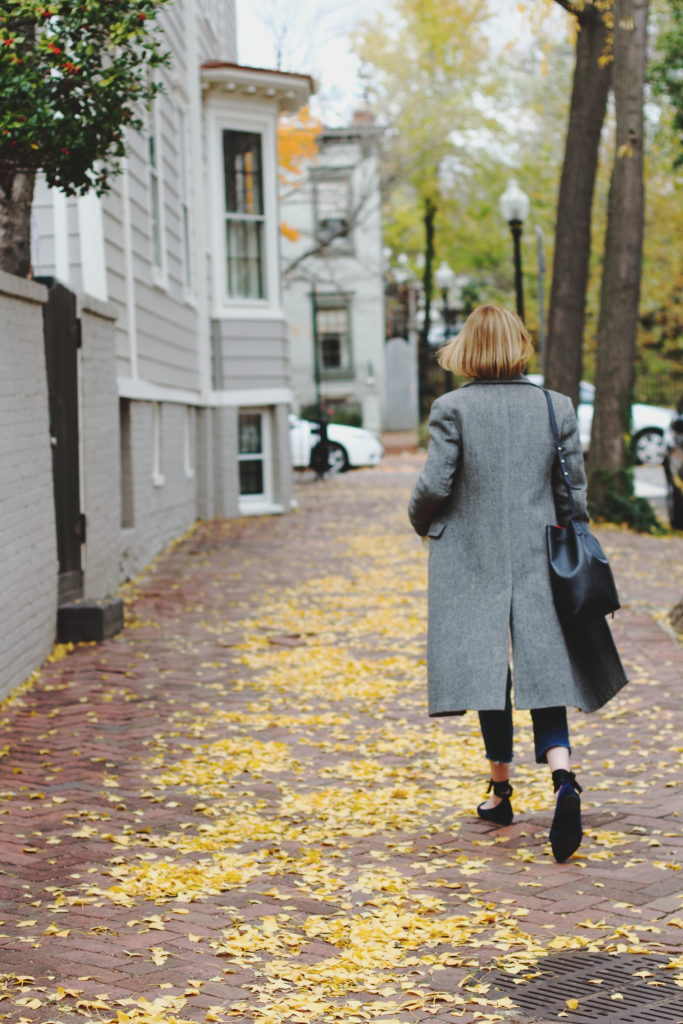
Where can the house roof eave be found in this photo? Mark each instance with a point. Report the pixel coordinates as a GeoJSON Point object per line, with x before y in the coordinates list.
{"type": "Point", "coordinates": [290, 91]}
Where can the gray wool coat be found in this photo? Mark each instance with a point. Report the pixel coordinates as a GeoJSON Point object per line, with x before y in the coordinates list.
{"type": "Point", "coordinates": [489, 488]}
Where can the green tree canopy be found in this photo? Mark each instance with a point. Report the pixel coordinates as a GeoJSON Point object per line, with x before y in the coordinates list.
{"type": "Point", "coordinates": [666, 72]}
{"type": "Point", "coordinates": [73, 76]}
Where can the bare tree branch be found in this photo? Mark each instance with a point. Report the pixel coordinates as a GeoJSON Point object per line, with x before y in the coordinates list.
{"type": "Point", "coordinates": [358, 212]}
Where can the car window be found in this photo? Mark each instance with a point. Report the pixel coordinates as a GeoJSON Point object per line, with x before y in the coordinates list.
{"type": "Point", "coordinates": [586, 392]}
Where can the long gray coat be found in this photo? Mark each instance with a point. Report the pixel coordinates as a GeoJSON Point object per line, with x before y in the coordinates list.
{"type": "Point", "coordinates": [487, 491]}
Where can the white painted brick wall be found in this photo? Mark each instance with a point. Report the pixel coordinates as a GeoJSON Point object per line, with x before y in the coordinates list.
{"type": "Point", "coordinates": [28, 596]}
{"type": "Point", "coordinates": [160, 513]}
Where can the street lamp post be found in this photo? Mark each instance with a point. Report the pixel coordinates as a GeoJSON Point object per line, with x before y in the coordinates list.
{"type": "Point", "coordinates": [514, 208]}
{"type": "Point", "coordinates": [320, 453]}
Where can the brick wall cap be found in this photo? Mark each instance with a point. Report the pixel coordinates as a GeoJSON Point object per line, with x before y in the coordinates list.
{"type": "Point", "coordinates": [22, 288]}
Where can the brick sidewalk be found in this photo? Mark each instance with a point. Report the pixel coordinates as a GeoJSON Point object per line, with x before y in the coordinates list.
{"type": "Point", "coordinates": [238, 810]}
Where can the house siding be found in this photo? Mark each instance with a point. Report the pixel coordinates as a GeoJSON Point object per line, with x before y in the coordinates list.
{"type": "Point", "coordinates": [252, 353]}
{"type": "Point", "coordinates": [354, 273]}
{"type": "Point", "coordinates": [162, 322]}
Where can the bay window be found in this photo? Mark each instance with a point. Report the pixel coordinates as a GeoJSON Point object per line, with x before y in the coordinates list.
{"type": "Point", "coordinates": [244, 214]}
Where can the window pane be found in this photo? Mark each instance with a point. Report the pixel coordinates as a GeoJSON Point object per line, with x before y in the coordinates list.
{"type": "Point", "coordinates": [331, 348]}
{"type": "Point", "coordinates": [334, 231]}
{"type": "Point", "coordinates": [333, 337]}
{"type": "Point", "coordinates": [242, 161]}
{"type": "Point", "coordinates": [251, 477]}
{"type": "Point", "coordinates": [332, 199]}
{"type": "Point", "coordinates": [250, 433]}
{"type": "Point", "coordinates": [245, 277]}
{"type": "Point", "coordinates": [332, 212]}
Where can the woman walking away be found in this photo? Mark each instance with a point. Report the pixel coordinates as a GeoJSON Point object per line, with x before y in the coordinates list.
{"type": "Point", "coordinates": [489, 488]}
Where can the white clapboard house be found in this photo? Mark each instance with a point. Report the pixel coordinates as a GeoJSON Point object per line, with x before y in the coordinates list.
{"type": "Point", "coordinates": [182, 259]}
{"type": "Point", "coordinates": [333, 275]}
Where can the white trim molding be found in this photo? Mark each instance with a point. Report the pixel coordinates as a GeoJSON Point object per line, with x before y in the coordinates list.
{"type": "Point", "coordinates": [91, 232]}
{"type": "Point", "coordinates": [60, 214]}
{"type": "Point", "coordinates": [260, 508]}
{"type": "Point", "coordinates": [252, 396]}
{"type": "Point", "coordinates": [285, 89]}
{"type": "Point", "coordinates": [158, 477]}
{"type": "Point", "coordinates": [144, 391]}
{"type": "Point", "coordinates": [131, 307]}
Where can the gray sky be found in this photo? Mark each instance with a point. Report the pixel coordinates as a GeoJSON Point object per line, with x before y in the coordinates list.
{"type": "Point", "coordinates": [313, 38]}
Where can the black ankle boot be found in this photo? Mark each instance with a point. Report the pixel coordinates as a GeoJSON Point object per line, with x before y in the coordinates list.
{"type": "Point", "coordinates": [501, 814]}
{"type": "Point", "coordinates": [566, 832]}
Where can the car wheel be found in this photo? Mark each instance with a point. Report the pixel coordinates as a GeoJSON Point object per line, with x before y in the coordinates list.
{"type": "Point", "coordinates": [337, 459]}
{"type": "Point", "coordinates": [649, 447]}
{"type": "Point", "coordinates": [675, 506]}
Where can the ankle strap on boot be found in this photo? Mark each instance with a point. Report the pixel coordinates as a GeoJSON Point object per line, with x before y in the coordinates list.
{"type": "Point", "coordinates": [502, 788]}
{"type": "Point", "coordinates": [560, 776]}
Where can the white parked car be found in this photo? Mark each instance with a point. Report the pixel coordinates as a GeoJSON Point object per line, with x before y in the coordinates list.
{"type": "Point", "coordinates": [348, 447]}
{"type": "Point", "coordinates": [649, 424]}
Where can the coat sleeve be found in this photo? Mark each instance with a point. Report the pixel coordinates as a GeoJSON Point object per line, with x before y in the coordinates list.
{"type": "Point", "coordinates": [435, 482]}
{"type": "Point", "coordinates": [573, 454]}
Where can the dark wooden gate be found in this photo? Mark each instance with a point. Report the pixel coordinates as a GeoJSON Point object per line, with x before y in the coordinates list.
{"type": "Point", "coordinates": [62, 331]}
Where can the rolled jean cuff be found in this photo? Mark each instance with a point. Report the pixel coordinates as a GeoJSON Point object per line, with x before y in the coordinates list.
{"type": "Point", "coordinates": [550, 730]}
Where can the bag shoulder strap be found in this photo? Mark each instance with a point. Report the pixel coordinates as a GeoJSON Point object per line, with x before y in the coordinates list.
{"type": "Point", "coordinates": [559, 450]}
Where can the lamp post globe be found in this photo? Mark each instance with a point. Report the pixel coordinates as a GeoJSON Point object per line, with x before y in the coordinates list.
{"type": "Point", "coordinates": [514, 208]}
{"type": "Point", "coordinates": [445, 279]}
{"type": "Point", "coordinates": [444, 276]}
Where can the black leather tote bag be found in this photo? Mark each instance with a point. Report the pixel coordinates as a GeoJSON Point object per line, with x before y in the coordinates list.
{"type": "Point", "coordinates": [582, 582]}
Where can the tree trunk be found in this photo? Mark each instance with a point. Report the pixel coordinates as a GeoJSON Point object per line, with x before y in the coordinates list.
{"type": "Point", "coordinates": [564, 350]}
{"type": "Point", "coordinates": [623, 258]}
{"type": "Point", "coordinates": [424, 358]}
{"type": "Point", "coordinates": [16, 196]}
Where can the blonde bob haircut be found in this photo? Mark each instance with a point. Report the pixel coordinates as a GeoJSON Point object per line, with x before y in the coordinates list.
{"type": "Point", "coordinates": [493, 344]}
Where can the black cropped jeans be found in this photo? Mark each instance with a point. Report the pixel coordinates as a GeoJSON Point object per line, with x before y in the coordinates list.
{"type": "Point", "coordinates": [550, 730]}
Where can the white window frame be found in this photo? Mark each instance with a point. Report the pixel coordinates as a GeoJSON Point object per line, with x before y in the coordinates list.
{"type": "Point", "coordinates": [230, 116]}
{"type": "Point", "coordinates": [252, 502]}
{"type": "Point", "coordinates": [155, 176]}
{"type": "Point", "coordinates": [158, 478]}
{"type": "Point", "coordinates": [336, 303]}
{"type": "Point", "coordinates": [185, 192]}
{"type": "Point", "coordinates": [248, 220]}
{"type": "Point", "coordinates": [189, 434]}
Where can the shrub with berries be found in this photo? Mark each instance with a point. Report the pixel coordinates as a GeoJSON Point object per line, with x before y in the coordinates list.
{"type": "Point", "coordinates": [73, 76]}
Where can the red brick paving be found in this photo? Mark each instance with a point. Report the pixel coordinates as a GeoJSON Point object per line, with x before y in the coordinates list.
{"type": "Point", "coordinates": [74, 748]}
